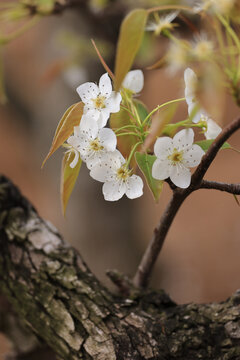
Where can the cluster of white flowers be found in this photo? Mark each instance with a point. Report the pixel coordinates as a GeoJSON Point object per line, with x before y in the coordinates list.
{"type": "Point", "coordinates": [96, 145]}
{"type": "Point", "coordinates": [175, 156]}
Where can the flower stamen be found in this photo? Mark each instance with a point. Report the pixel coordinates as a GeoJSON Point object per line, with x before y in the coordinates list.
{"type": "Point", "coordinates": [99, 102]}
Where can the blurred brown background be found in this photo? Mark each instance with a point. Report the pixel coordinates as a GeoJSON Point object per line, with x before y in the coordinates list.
{"type": "Point", "coordinates": [200, 259]}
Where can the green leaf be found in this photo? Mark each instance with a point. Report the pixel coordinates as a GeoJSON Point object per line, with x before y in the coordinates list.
{"type": "Point", "coordinates": [71, 118]}
{"type": "Point", "coordinates": [205, 144]}
{"type": "Point", "coordinates": [141, 109]}
{"type": "Point", "coordinates": [145, 163]}
{"type": "Point", "coordinates": [130, 37]}
{"type": "Point", "coordinates": [68, 178]}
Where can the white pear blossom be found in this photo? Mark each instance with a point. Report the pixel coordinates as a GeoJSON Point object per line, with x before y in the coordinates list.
{"type": "Point", "coordinates": [91, 142]}
{"type": "Point", "coordinates": [175, 157]}
{"type": "Point", "coordinates": [210, 127]}
{"type": "Point", "coordinates": [162, 23]}
{"type": "Point", "coordinates": [117, 178]}
{"type": "Point", "coordinates": [202, 47]}
{"type": "Point", "coordinates": [215, 6]}
{"type": "Point", "coordinates": [100, 100]}
{"type": "Point", "coordinates": [134, 81]}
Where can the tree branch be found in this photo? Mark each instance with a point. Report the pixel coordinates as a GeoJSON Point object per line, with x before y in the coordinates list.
{"type": "Point", "coordinates": [229, 188]}
{"type": "Point", "coordinates": [64, 305]}
{"type": "Point", "coordinates": [213, 150]}
{"type": "Point", "coordinates": [151, 254]}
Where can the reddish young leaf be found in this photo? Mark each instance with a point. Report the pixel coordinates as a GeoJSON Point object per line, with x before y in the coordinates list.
{"type": "Point", "coordinates": [68, 178]}
{"type": "Point", "coordinates": [71, 118]}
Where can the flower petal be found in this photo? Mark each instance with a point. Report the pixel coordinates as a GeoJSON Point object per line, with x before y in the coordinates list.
{"type": "Point", "coordinates": [193, 156]}
{"type": "Point", "coordinates": [198, 114]}
{"type": "Point", "coordinates": [113, 190]}
{"type": "Point", "coordinates": [75, 160]}
{"type": "Point", "coordinates": [190, 79]}
{"type": "Point", "coordinates": [103, 117]}
{"type": "Point", "coordinates": [134, 81]}
{"type": "Point", "coordinates": [105, 85]}
{"type": "Point", "coordinates": [134, 187]}
{"type": "Point", "coordinates": [99, 172]}
{"type": "Point", "coordinates": [88, 125]}
{"type": "Point", "coordinates": [107, 168]}
{"type": "Point", "coordinates": [213, 129]}
{"type": "Point", "coordinates": [163, 147]}
{"type": "Point", "coordinates": [183, 139]}
{"type": "Point", "coordinates": [87, 91]}
{"type": "Point", "coordinates": [107, 139]}
{"type": "Point", "coordinates": [180, 176]}
{"type": "Point", "coordinates": [161, 169]}
{"type": "Point", "coordinates": [113, 102]}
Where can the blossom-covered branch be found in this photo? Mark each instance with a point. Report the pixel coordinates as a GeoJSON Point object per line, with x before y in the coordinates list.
{"type": "Point", "coordinates": [179, 195]}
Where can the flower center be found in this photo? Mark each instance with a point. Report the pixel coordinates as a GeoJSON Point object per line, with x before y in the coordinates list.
{"type": "Point", "coordinates": [123, 173]}
{"type": "Point", "coordinates": [96, 146]}
{"type": "Point", "coordinates": [176, 156]}
{"type": "Point", "coordinates": [99, 102]}
{"type": "Point", "coordinates": [203, 49]}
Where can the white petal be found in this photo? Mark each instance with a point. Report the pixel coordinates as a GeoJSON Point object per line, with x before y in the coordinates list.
{"type": "Point", "coordinates": [134, 187]}
{"type": "Point", "coordinates": [107, 168]}
{"type": "Point", "coordinates": [198, 112]}
{"type": "Point", "coordinates": [163, 147]}
{"type": "Point", "coordinates": [213, 129]}
{"type": "Point", "coordinates": [75, 160]}
{"type": "Point", "coordinates": [190, 79]}
{"type": "Point", "coordinates": [134, 81]}
{"type": "Point", "coordinates": [113, 102]}
{"type": "Point", "coordinates": [193, 156]}
{"type": "Point", "coordinates": [73, 141]}
{"type": "Point", "coordinates": [88, 91]}
{"type": "Point", "coordinates": [93, 161]}
{"type": "Point", "coordinates": [107, 139]}
{"type": "Point", "coordinates": [161, 169]}
{"type": "Point", "coordinates": [99, 172]}
{"type": "Point", "coordinates": [113, 190]}
{"type": "Point", "coordinates": [180, 176]}
{"type": "Point", "coordinates": [103, 117]}
{"type": "Point", "coordinates": [183, 139]}
{"type": "Point", "coordinates": [105, 85]}
{"type": "Point", "coordinates": [88, 126]}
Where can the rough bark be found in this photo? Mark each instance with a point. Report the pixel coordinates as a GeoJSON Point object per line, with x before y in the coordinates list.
{"type": "Point", "coordinates": [53, 291]}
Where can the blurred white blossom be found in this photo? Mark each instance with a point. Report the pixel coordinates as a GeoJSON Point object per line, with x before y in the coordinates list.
{"type": "Point", "coordinates": [134, 81]}
{"type": "Point", "coordinates": [162, 23]}
{"type": "Point", "coordinates": [210, 127]}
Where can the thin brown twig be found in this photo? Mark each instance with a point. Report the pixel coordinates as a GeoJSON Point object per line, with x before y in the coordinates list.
{"type": "Point", "coordinates": [150, 256]}
{"type": "Point", "coordinates": [229, 188]}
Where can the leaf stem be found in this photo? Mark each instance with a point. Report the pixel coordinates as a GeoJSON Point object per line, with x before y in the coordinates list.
{"type": "Point", "coordinates": [159, 107]}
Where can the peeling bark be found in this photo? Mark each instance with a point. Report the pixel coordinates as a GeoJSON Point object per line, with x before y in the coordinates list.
{"type": "Point", "coordinates": [56, 295]}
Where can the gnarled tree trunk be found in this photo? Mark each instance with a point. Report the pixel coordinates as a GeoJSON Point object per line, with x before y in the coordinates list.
{"type": "Point", "coordinates": [53, 291]}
